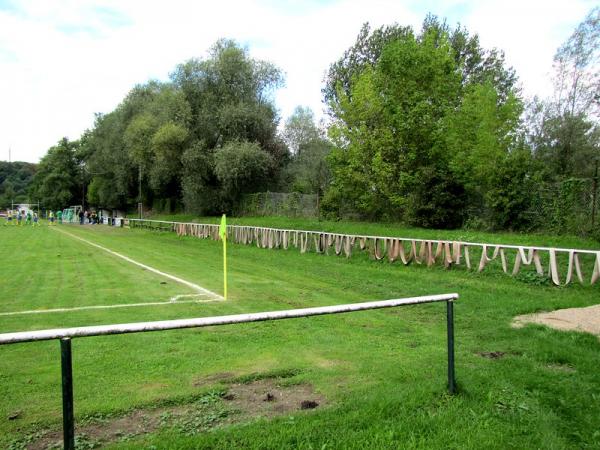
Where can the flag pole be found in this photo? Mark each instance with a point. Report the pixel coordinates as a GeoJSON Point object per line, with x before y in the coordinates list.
{"type": "Point", "coordinates": [225, 267]}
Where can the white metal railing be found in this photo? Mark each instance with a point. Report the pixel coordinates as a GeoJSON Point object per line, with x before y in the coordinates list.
{"type": "Point", "coordinates": [65, 335]}
{"type": "Point", "coordinates": [431, 251]}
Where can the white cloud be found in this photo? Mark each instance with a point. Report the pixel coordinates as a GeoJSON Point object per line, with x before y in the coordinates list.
{"type": "Point", "coordinates": [62, 61]}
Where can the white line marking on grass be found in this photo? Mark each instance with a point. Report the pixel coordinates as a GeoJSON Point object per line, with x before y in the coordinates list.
{"type": "Point", "coordinates": [199, 289]}
{"type": "Point", "coordinates": [122, 305]}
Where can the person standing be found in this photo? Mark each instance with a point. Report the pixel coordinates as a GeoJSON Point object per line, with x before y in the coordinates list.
{"type": "Point", "coordinates": [81, 217]}
{"type": "Point", "coordinates": [8, 217]}
{"type": "Point", "coordinates": [28, 218]}
{"type": "Point", "coordinates": [51, 218]}
{"type": "Point", "coordinates": [59, 216]}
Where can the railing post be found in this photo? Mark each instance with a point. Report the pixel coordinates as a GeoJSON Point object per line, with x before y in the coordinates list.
{"type": "Point", "coordinates": [67, 394]}
{"type": "Point", "coordinates": [450, 328]}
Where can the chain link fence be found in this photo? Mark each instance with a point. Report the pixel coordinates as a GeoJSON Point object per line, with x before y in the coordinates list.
{"type": "Point", "coordinates": [570, 206]}
{"type": "Point", "coordinates": [291, 204]}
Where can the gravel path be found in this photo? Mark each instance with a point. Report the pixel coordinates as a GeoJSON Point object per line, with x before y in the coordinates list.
{"type": "Point", "coordinates": [571, 319]}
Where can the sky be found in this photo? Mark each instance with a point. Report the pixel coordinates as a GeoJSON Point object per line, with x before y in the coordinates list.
{"type": "Point", "coordinates": [62, 61]}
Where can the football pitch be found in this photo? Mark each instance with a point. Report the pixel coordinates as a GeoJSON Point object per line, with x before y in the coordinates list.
{"type": "Point", "coordinates": [379, 376]}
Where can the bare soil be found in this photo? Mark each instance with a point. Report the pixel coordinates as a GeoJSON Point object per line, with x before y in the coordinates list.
{"type": "Point", "coordinates": [492, 355]}
{"type": "Point", "coordinates": [572, 319]}
{"type": "Point", "coordinates": [264, 398]}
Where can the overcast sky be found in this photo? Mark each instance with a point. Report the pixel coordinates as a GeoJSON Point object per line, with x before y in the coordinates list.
{"type": "Point", "coordinates": [61, 61]}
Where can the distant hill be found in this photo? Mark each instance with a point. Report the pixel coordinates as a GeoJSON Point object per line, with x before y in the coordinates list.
{"type": "Point", "coordinates": [15, 178]}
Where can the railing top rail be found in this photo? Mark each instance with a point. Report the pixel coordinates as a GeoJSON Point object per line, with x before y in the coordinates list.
{"type": "Point", "coordinates": [100, 330]}
{"type": "Point", "coordinates": [479, 244]}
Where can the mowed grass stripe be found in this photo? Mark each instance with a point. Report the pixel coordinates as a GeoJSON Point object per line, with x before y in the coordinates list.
{"type": "Point", "coordinates": [49, 270]}
{"type": "Point", "coordinates": [195, 287]}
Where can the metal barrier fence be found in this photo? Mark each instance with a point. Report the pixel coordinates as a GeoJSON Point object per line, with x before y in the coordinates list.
{"type": "Point", "coordinates": [403, 249]}
{"type": "Point", "coordinates": [66, 334]}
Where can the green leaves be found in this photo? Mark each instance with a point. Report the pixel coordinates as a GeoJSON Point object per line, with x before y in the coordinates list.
{"type": "Point", "coordinates": [242, 167]}
{"type": "Point", "coordinates": [160, 142]}
{"type": "Point", "coordinates": [420, 127]}
{"type": "Point", "coordinates": [59, 177]}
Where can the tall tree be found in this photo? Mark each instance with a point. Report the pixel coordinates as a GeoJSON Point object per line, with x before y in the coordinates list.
{"type": "Point", "coordinates": [577, 69]}
{"type": "Point", "coordinates": [57, 182]}
{"type": "Point", "coordinates": [230, 96]}
{"type": "Point", "coordinates": [308, 170]}
{"type": "Point", "coordinates": [476, 64]}
{"type": "Point", "coordinates": [300, 129]}
{"type": "Point", "coordinates": [411, 119]}
{"type": "Point", "coordinates": [15, 178]}
{"type": "Point", "coordinates": [564, 131]}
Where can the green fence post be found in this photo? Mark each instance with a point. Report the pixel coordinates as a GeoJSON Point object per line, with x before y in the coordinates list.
{"type": "Point", "coordinates": [67, 394]}
{"type": "Point", "coordinates": [450, 328]}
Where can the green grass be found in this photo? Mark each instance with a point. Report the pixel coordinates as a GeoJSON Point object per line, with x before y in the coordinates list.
{"type": "Point", "coordinates": [383, 372]}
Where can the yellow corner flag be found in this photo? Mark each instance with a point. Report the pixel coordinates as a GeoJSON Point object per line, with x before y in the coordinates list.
{"type": "Point", "coordinates": [223, 236]}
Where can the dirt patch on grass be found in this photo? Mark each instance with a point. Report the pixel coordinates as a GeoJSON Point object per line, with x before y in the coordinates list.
{"type": "Point", "coordinates": [572, 319]}
{"type": "Point", "coordinates": [492, 355]}
{"type": "Point", "coordinates": [263, 398]}
{"type": "Point", "coordinates": [266, 398]}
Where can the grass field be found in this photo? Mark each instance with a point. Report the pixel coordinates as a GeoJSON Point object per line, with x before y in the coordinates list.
{"type": "Point", "coordinates": [380, 374]}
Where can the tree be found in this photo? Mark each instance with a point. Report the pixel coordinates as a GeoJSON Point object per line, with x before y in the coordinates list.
{"type": "Point", "coordinates": [308, 170]}
{"type": "Point", "coordinates": [159, 144]}
{"type": "Point", "coordinates": [576, 64]}
{"type": "Point", "coordinates": [365, 52]}
{"type": "Point", "coordinates": [241, 167]}
{"type": "Point", "coordinates": [300, 129]}
{"type": "Point", "coordinates": [476, 64]}
{"type": "Point", "coordinates": [564, 130]}
{"type": "Point", "coordinates": [113, 172]}
{"type": "Point", "coordinates": [387, 132]}
{"type": "Point", "coordinates": [415, 133]}
{"type": "Point", "coordinates": [15, 179]}
{"type": "Point", "coordinates": [484, 138]}
{"type": "Point", "coordinates": [230, 96]}
{"type": "Point", "coordinates": [56, 183]}
{"type": "Point", "coordinates": [167, 146]}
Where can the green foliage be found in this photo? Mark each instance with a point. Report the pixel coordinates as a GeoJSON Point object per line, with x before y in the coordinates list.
{"type": "Point", "coordinates": [510, 196]}
{"type": "Point", "coordinates": [308, 171]}
{"type": "Point", "coordinates": [564, 134]}
{"type": "Point", "coordinates": [110, 165]}
{"type": "Point", "coordinates": [488, 157]}
{"type": "Point", "coordinates": [230, 98]}
{"type": "Point", "coordinates": [58, 180]}
{"type": "Point", "coordinates": [425, 127]}
{"type": "Point", "coordinates": [564, 130]}
{"type": "Point", "coordinates": [242, 167]}
{"type": "Point", "coordinates": [200, 184]}
{"type": "Point", "coordinates": [167, 144]}
{"type": "Point", "coordinates": [566, 206]}
{"type": "Point", "coordinates": [564, 144]}
{"type": "Point", "coordinates": [419, 128]}
{"type": "Point", "coordinates": [290, 204]}
{"type": "Point", "coordinates": [388, 132]}
{"type": "Point", "coordinates": [160, 142]}
{"type": "Point", "coordinates": [15, 178]}
{"type": "Point", "coordinates": [300, 129]}
{"type": "Point", "coordinates": [477, 64]}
